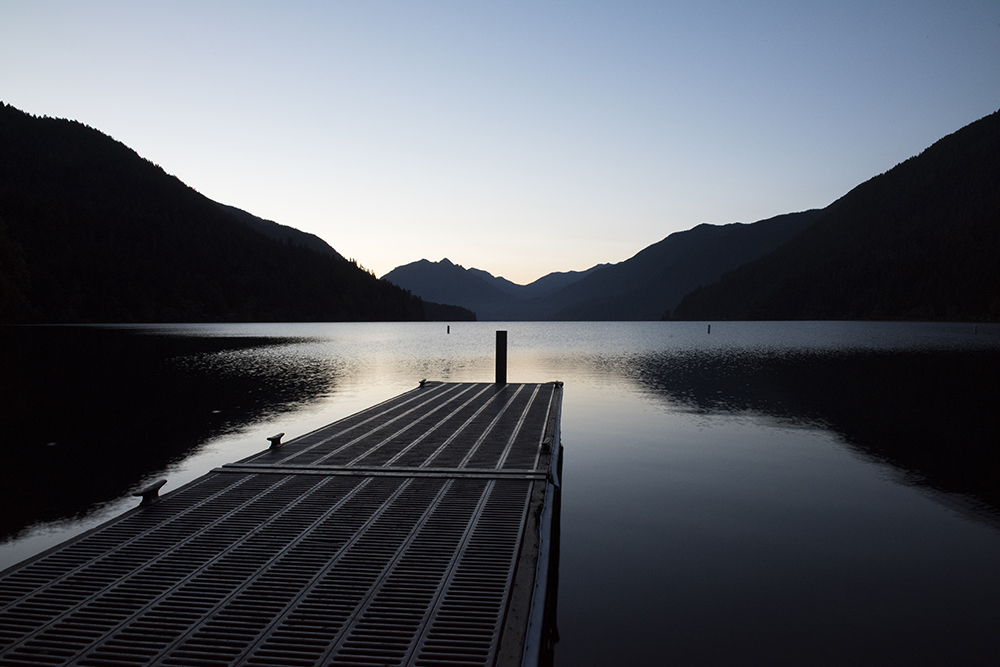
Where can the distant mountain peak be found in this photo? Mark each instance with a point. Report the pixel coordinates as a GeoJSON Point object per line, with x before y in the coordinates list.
{"type": "Point", "coordinates": [639, 288]}
{"type": "Point", "coordinates": [652, 283]}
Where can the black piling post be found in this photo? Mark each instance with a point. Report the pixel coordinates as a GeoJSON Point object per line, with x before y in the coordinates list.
{"type": "Point", "coordinates": [501, 357]}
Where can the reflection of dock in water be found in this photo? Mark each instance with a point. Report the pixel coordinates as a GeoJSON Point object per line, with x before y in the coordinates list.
{"type": "Point", "coordinates": [419, 531]}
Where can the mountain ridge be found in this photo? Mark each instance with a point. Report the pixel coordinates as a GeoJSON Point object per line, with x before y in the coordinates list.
{"type": "Point", "coordinates": [650, 283]}
{"type": "Point", "coordinates": [920, 241]}
{"type": "Point", "coordinates": [540, 287]}
{"type": "Point", "coordinates": [490, 297]}
{"type": "Point", "coordinates": [641, 287]}
{"type": "Point", "coordinates": [90, 231]}
{"type": "Point", "coordinates": [280, 232]}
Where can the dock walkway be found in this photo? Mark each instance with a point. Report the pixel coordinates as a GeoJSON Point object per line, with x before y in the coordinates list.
{"type": "Point", "coordinates": [415, 532]}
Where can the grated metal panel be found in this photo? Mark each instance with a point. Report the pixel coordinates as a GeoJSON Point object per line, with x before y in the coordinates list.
{"type": "Point", "coordinates": [453, 425]}
{"type": "Point", "coordinates": [288, 558]}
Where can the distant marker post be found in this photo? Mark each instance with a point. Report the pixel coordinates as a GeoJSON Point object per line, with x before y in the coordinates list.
{"type": "Point", "coordinates": [501, 357]}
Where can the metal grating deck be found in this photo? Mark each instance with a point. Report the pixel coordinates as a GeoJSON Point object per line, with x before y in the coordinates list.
{"type": "Point", "coordinates": [406, 534]}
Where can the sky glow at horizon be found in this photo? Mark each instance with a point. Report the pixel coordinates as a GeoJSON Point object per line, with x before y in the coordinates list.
{"type": "Point", "coordinates": [521, 138]}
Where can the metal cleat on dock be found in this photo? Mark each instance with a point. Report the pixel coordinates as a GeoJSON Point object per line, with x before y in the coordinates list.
{"type": "Point", "coordinates": [151, 494]}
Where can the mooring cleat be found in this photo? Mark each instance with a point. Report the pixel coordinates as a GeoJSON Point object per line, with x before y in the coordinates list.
{"type": "Point", "coordinates": [151, 494]}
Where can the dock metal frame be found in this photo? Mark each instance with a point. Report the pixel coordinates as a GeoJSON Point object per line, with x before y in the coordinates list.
{"type": "Point", "coordinates": [421, 531]}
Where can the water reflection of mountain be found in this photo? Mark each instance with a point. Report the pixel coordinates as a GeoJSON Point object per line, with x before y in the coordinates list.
{"type": "Point", "coordinates": [933, 415]}
{"type": "Point", "coordinates": [87, 413]}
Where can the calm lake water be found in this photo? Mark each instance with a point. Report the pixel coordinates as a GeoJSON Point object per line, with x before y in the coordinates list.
{"type": "Point", "coordinates": [808, 493]}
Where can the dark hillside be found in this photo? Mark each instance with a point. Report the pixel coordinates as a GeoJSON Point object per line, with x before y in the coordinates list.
{"type": "Point", "coordinates": [640, 288]}
{"type": "Point", "coordinates": [281, 232]}
{"type": "Point", "coordinates": [491, 297]}
{"type": "Point", "coordinates": [445, 282]}
{"type": "Point", "coordinates": [919, 242]}
{"type": "Point", "coordinates": [92, 232]}
{"type": "Point", "coordinates": [538, 289]}
{"type": "Point", "coordinates": [655, 279]}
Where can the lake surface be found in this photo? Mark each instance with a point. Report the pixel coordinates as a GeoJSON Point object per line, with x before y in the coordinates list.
{"type": "Point", "coordinates": [809, 493]}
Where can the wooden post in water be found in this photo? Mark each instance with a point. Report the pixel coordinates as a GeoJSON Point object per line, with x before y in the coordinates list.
{"type": "Point", "coordinates": [501, 357]}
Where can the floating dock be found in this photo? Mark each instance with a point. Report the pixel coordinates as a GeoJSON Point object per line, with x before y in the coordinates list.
{"type": "Point", "coordinates": [421, 531]}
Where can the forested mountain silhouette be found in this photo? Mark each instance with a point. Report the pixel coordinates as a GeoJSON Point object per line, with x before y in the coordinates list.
{"type": "Point", "coordinates": [537, 289]}
{"type": "Point", "coordinates": [490, 297]}
{"type": "Point", "coordinates": [280, 232]}
{"type": "Point", "coordinates": [918, 242]}
{"type": "Point", "coordinates": [445, 282]}
{"type": "Point", "coordinates": [639, 288]}
{"type": "Point", "coordinates": [648, 285]}
{"type": "Point", "coordinates": [92, 232]}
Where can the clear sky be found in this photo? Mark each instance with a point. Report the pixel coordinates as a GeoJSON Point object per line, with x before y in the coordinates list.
{"type": "Point", "coordinates": [516, 137]}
